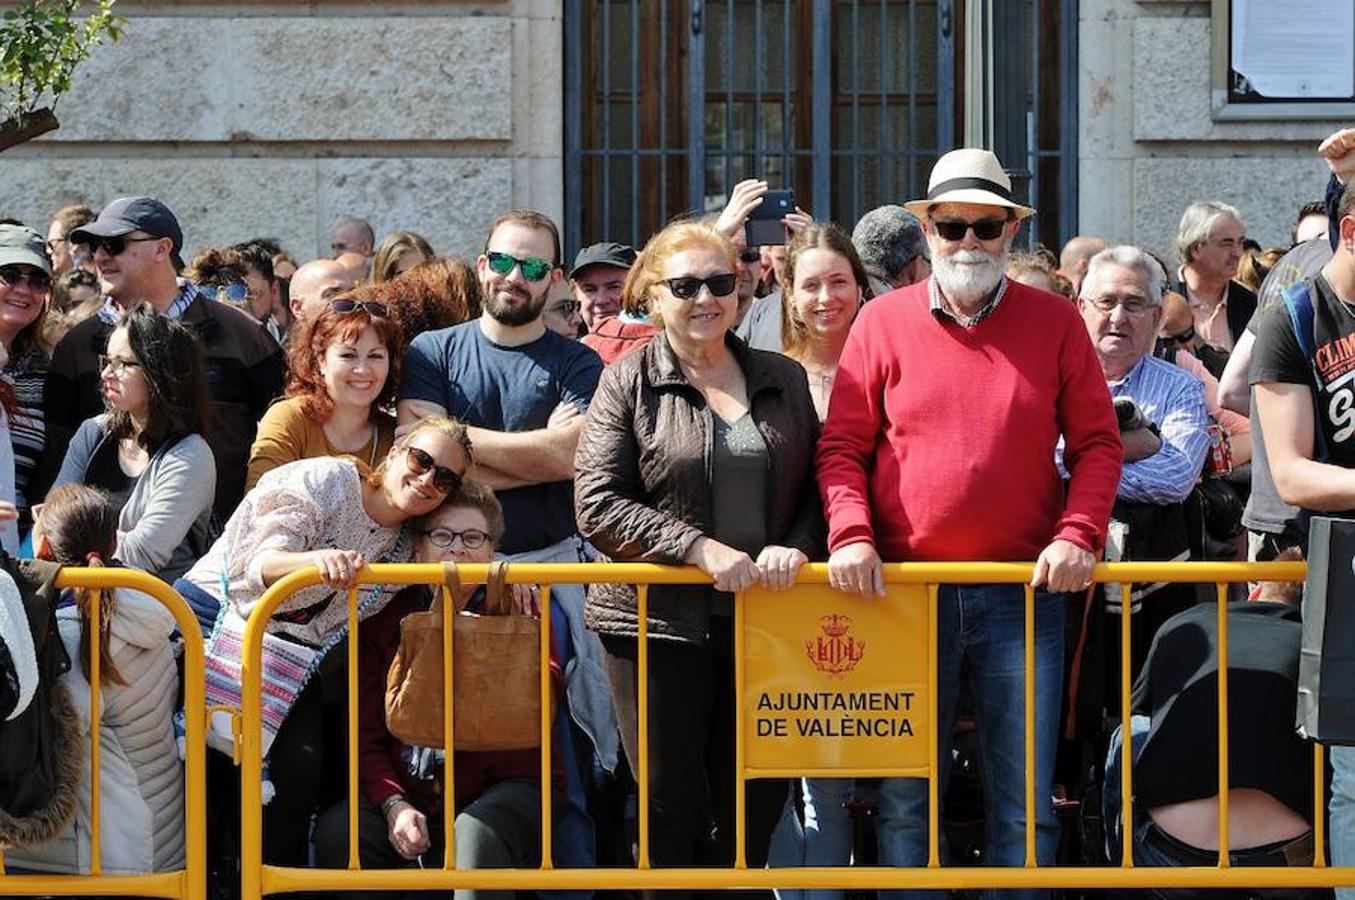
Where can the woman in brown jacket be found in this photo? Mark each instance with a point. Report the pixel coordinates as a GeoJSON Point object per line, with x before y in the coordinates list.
{"type": "Point", "coordinates": [698, 450]}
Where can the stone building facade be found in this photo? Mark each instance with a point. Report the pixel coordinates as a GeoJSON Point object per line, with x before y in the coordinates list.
{"type": "Point", "coordinates": [276, 119]}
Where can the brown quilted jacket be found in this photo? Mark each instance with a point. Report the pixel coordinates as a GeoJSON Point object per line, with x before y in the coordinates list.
{"type": "Point", "coordinates": [642, 477]}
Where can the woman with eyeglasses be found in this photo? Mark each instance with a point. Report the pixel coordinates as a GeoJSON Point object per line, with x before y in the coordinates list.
{"type": "Point", "coordinates": [342, 368]}
{"type": "Point", "coordinates": [498, 821]}
{"type": "Point", "coordinates": [329, 514]}
{"type": "Point", "coordinates": [697, 450]}
{"type": "Point", "coordinates": [147, 452]}
{"type": "Point", "coordinates": [25, 296]}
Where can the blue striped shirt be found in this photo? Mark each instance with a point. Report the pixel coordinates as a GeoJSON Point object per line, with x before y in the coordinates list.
{"type": "Point", "coordinates": [1173, 400]}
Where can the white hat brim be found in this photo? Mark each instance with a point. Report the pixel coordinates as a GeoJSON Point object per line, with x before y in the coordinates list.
{"type": "Point", "coordinates": [966, 195]}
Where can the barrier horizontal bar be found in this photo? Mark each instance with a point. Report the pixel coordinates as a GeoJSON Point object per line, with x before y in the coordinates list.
{"type": "Point", "coordinates": [165, 884]}
{"type": "Point", "coordinates": [278, 880]}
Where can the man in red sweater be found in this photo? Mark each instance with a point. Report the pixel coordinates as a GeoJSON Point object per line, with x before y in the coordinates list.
{"type": "Point", "coordinates": [951, 395]}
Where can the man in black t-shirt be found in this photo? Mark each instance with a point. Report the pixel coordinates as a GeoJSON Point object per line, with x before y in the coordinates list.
{"type": "Point", "coordinates": [1304, 395]}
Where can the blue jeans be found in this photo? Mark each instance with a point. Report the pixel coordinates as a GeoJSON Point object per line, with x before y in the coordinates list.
{"type": "Point", "coordinates": [1341, 829]}
{"type": "Point", "coordinates": [981, 638]}
{"type": "Point", "coordinates": [823, 839]}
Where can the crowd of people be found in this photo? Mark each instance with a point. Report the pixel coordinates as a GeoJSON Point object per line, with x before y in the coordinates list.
{"type": "Point", "coordinates": [914, 390]}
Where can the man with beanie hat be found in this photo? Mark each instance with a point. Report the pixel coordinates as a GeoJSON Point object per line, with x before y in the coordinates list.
{"type": "Point", "coordinates": [134, 243]}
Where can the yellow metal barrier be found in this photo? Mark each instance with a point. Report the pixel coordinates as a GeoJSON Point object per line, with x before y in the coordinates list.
{"type": "Point", "coordinates": [258, 879]}
{"type": "Point", "coordinates": [189, 883]}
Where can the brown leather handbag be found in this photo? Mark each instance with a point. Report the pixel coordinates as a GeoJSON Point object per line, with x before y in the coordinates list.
{"type": "Point", "coordinates": [496, 672]}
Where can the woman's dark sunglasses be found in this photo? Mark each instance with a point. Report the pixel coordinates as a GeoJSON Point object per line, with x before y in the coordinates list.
{"type": "Point", "coordinates": [371, 307]}
{"type": "Point", "coordinates": [420, 462]}
{"type": "Point", "coordinates": [113, 246]}
{"type": "Point", "coordinates": [503, 264]}
{"type": "Point", "coordinates": [984, 229]}
{"type": "Point", "coordinates": [685, 287]}
{"type": "Point", "coordinates": [37, 279]}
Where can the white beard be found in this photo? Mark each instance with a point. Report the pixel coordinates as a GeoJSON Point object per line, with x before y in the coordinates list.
{"type": "Point", "coordinates": [967, 276]}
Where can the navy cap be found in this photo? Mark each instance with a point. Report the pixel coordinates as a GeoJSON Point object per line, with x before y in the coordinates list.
{"type": "Point", "coordinates": [128, 214]}
{"type": "Point", "coordinates": [607, 253]}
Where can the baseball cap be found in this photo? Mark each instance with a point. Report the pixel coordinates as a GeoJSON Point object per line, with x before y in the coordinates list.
{"type": "Point", "coordinates": [128, 214]}
{"type": "Point", "coordinates": [607, 253]}
{"type": "Point", "coordinates": [20, 244]}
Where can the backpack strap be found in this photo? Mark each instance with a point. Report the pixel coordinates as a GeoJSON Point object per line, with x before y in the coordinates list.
{"type": "Point", "coordinates": [1298, 301]}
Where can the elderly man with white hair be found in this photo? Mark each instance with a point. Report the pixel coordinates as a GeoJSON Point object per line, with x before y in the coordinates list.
{"type": "Point", "coordinates": [1209, 242]}
{"type": "Point", "coordinates": [950, 398]}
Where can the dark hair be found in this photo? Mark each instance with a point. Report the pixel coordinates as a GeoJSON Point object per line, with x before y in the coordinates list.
{"type": "Point", "coordinates": [257, 256]}
{"type": "Point", "coordinates": [175, 367]}
{"type": "Point", "coordinates": [271, 246]}
{"type": "Point", "coordinates": [439, 293]}
{"type": "Point", "coordinates": [1311, 208]}
{"type": "Point", "coordinates": [307, 348]}
{"type": "Point", "coordinates": [528, 218]}
{"type": "Point", "coordinates": [478, 496]}
{"type": "Point", "coordinates": [216, 266]}
{"type": "Point", "coordinates": [818, 236]}
{"type": "Point", "coordinates": [81, 528]}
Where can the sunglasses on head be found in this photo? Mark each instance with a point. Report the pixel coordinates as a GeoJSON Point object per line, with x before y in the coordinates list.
{"type": "Point", "coordinates": [113, 246]}
{"type": "Point", "coordinates": [984, 229]}
{"type": "Point", "coordinates": [371, 307]}
{"type": "Point", "coordinates": [13, 276]}
{"type": "Point", "coordinates": [420, 462]}
{"type": "Point", "coordinates": [503, 264]}
{"type": "Point", "coordinates": [685, 287]}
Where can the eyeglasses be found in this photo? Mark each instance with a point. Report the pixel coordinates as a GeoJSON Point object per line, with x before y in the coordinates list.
{"type": "Point", "coordinates": [748, 257]}
{"type": "Point", "coordinates": [471, 538]}
{"type": "Point", "coordinates": [984, 229]}
{"type": "Point", "coordinates": [567, 307]}
{"type": "Point", "coordinates": [13, 276]}
{"type": "Point", "coordinates": [685, 287]}
{"type": "Point", "coordinates": [116, 364]}
{"type": "Point", "coordinates": [370, 307]}
{"type": "Point", "coordinates": [113, 246]}
{"type": "Point", "coordinates": [420, 463]}
{"type": "Point", "coordinates": [1132, 306]}
{"type": "Point", "coordinates": [503, 264]}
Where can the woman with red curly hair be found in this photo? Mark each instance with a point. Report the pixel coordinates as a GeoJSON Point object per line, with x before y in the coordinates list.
{"type": "Point", "coordinates": [343, 368]}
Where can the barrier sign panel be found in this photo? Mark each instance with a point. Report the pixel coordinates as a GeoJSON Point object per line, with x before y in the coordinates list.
{"type": "Point", "coordinates": [831, 680]}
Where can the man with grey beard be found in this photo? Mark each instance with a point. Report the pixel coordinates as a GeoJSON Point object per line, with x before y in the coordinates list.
{"type": "Point", "coordinates": [950, 398]}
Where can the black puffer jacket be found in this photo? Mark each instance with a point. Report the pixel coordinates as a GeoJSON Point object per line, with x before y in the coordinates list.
{"type": "Point", "coordinates": [41, 750]}
{"type": "Point", "coordinates": [642, 477]}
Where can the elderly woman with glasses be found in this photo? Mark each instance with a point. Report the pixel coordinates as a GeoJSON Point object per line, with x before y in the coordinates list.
{"type": "Point", "coordinates": [697, 450]}
{"type": "Point", "coordinates": [329, 514]}
{"type": "Point", "coordinates": [343, 367]}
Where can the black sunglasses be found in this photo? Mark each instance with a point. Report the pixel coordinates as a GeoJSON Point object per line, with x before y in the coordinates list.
{"type": "Point", "coordinates": [984, 229]}
{"type": "Point", "coordinates": [748, 257]}
{"type": "Point", "coordinates": [371, 307]}
{"type": "Point", "coordinates": [567, 307]}
{"type": "Point", "coordinates": [13, 276]}
{"type": "Point", "coordinates": [113, 246]}
{"type": "Point", "coordinates": [420, 462]}
{"type": "Point", "coordinates": [685, 287]}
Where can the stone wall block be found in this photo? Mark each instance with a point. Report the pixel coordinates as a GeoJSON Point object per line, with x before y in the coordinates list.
{"type": "Point", "coordinates": [449, 201]}
{"type": "Point", "coordinates": [297, 79]}
{"type": "Point", "coordinates": [1268, 191]}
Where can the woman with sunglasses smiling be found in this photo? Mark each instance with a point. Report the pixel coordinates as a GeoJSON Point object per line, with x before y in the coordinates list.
{"type": "Point", "coordinates": [343, 367]}
{"type": "Point", "coordinates": [697, 450]}
{"type": "Point", "coordinates": [147, 453]}
{"type": "Point", "coordinates": [327, 514]}
{"type": "Point", "coordinates": [25, 294]}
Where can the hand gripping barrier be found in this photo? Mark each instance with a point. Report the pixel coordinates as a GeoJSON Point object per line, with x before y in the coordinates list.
{"type": "Point", "coordinates": [258, 879]}
{"type": "Point", "coordinates": [190, 882]}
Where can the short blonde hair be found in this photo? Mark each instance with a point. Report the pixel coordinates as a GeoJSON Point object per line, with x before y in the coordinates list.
{"type": "Point", "coordinates": [647, 272]}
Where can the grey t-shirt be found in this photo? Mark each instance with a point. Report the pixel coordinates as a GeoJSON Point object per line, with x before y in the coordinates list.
{"type": "Point", "coordinates": [761, 327]}
{"type": "Point", "coordinates": [738, 491]}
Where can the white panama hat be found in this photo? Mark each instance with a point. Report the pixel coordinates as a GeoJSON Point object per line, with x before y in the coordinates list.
{"type": "Point", "coordinates": [968, 175]}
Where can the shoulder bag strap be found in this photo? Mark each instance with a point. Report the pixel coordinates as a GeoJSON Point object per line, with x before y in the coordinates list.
{"type": "Point", "coordinates": [451, 588]}
{"type": "Point", "coordinates": [1298, 301]}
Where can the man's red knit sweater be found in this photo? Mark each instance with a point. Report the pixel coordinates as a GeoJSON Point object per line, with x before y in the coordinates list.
{"type": "Point", "coordinates": [939, 442]}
